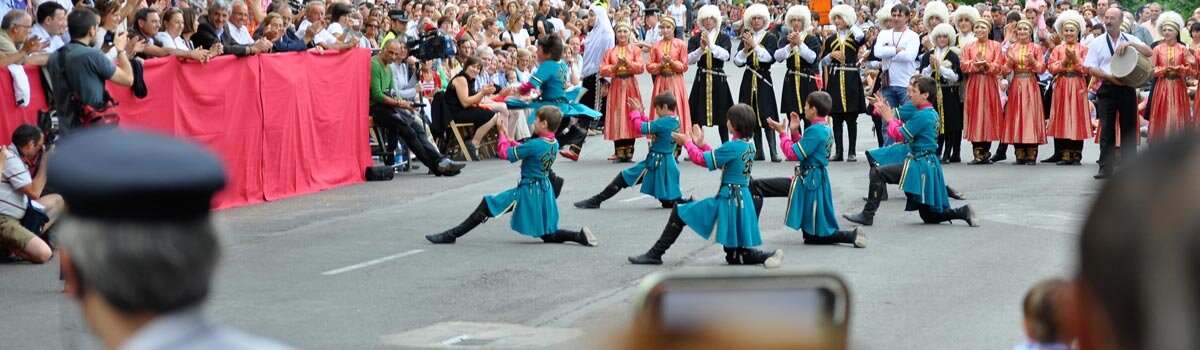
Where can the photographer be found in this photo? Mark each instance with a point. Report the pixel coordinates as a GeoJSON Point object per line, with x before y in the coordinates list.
{"type": "Point", "coordinates": [24, 213]}
{"type": "Point", "coordinates": [80, 98]}
{"type": "Point", "coordinates": [395, 115]}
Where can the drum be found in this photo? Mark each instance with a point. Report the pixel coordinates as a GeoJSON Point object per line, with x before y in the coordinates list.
{"type": "Point", "coordinates": [1131, 68]}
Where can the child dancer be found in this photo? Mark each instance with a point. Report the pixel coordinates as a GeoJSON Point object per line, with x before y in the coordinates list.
{"type": "Point", "coordinates": [532, 202]}
{"type": "Point", "coordinates": [728, 217]}
{"type": "Point", "coordinates": [659, 173]}
{"type": "Point", "coordinates": [550, 79]}
{"type": "Point", "coordinates": [810, 199]}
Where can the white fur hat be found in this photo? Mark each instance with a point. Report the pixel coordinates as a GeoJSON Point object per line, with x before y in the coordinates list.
{"type": "Point", "coordinates": [1170, 18]}
{"type": "Point", "coordinates": [883, 15]}
{"type": "Point", "coordinates": [943, 29]}
{"type": "Point", "coordinates": [1070, 17]}
{"type": "Point", "coordinates": [709, 11]}
{"type": "Point", "coordinates": [846, 12]}
{"type": "Point", "coordinates": [969, 12]}
{"type": "Point", "coordinates": [935, 9]}
{"type": "Point", "coordinates": [756, 10]}
{"type": "Point", "coordinates": [801, 13]}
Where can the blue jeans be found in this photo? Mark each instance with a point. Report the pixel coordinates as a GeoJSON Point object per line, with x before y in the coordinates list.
{"type": "Point", "coordinates": [896, 96]}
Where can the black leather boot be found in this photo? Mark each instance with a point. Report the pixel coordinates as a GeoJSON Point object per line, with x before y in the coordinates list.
{"type": "Point", "coordinates": [556, 183]}
{"type": "Point", "coordinates": [479, 216]}
{"type": "Point", "coordinates": [874, 193]}
{"type": "Point", "coordinates": [671, 203]}
{"type": "Point", "coordinates": [1057, 156]}
{"type": "Point", "coordinates": [967, 213]}
{"type": "Point", "coordinates": [772, 142]}
{"type": "Point", "coordinates": [854, 236]}
{"type": "Point", "coordinates": [583, 237]}
{"type": "Point", "coordinates": [751, 256]}
{"type": "Point", "coordinates": [1001, 153]}
{"type": "Point", "coordinates": [732, 257]}
{"type": "Point", "coordinates": [669, 235]}
{"type": "Point", "coordinates": [758, 147]}
{"type": "Point", "coordinates": [609, 191]}
{"type": "Point", "coordinates": [953, 193]}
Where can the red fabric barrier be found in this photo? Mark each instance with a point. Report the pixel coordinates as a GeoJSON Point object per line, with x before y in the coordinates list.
{"type": "Point", "coordinates": [10, 115]}
{"type": "Point", "coordinates": [283, 124]}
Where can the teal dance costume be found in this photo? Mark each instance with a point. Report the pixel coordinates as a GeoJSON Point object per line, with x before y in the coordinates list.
{"type": "Point", "coordinates": [534, 211]}
{"type": "Point", "coordinates": [551, 78]}
{"type": "Point", "coordinates": [919, 175]}
{"type": "Point", "coordinates": [810, 198]}
{"type": "Point", "coordinates": [658, 173]}
{"type": "Point", "coordinates": [728, 218]}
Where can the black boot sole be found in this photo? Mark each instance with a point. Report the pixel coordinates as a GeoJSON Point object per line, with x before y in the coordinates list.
{"type": "Point", "coordinates": [645, 260]}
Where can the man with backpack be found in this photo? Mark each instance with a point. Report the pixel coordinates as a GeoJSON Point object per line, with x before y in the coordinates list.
{"type": "Point", "coordinates": [78, 72]}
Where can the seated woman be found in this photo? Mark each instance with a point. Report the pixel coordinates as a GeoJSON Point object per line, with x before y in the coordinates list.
{"type": "Point", "coordinates": [469, 105]}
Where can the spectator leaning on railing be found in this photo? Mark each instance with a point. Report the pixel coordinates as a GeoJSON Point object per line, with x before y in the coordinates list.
{"type": "Point", "coordinates": [147, 23]}
{"type": "Point", "coordinates": [214, 35]}
{"type": "Point", "coordinates": [24, 212]}
{"type": "Point", "coordinates": [16, 45]}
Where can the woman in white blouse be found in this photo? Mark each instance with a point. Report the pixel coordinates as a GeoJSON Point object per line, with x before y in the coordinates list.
{"type": "Point", "coordinates": [516, 33]}
{"type": "Point", "coordinates": [173, 39]}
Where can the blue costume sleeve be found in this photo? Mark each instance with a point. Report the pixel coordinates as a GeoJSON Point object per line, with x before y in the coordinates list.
{"type": "Point", "coordinates": [811, 141]}
{"type": "Point", "coordinates": [545, 71]}
{"type": "Point", "coordinates": [524, 150]}
{"type": "Point", "coordinates": [717, 158]}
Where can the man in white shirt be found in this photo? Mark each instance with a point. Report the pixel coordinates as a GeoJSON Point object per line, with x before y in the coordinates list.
{"type": "Point", "coordinates": [237, 23]}
{"type": "Point", "coordinates": [52, 25]}
{"type": "Point", "coordinates": [1114, 98]}
{"type": "Point", "coordinates": [24, 212]}
{"type": "Point", "coordinates": [897, 48]}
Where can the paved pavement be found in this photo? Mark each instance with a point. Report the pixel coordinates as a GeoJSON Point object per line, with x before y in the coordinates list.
{"type": "Point", "coordinates": [349, 269]}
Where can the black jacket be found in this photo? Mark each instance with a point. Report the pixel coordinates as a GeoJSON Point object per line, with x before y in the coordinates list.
{"type": "Point", "coordinates": [206, 36]}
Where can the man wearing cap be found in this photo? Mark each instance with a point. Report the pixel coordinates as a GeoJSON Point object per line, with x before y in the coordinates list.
{"type": "Point", "coordinates": [139, 249]}
{"type": "Point", "coordinates": [397, 29]}
{"type": "Point", "coordinates": [649, 32]}
{"type": "Point", "coordinates": [1116, 102]}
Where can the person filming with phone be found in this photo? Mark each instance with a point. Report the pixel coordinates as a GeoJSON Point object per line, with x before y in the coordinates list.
{"type": "Point", "coordinates": [78, 72]}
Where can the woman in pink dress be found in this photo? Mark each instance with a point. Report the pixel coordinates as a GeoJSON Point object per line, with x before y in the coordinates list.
{"type": "Point", "coordinates": [983, 63]}
{"type": "Point", "coordinates": [668, 62]}
{"type": "Point", "coordinates": [1169, 106]}
{"type": "Point", "coordinates": [1070, 111]}
{"type": "Point", "coordinates": [622, 64]}
{"type": "Point", "coordinates": [1024, 126]}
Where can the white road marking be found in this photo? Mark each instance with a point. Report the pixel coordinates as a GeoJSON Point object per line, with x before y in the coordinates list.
{"type": "Point", "coordinates": [372, 262]}
{"type": "Point", "coordinates": [455, 340]}
{"type": "Point", "coordinates": [641, 197]}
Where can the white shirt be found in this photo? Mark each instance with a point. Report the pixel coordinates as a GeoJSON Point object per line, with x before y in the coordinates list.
{"type": "Point", "coordinates": [947, 73]}
{"type": "Point", "coordinates": [406, 87]}
{"type": "Point", "coordinates": [763, 55]}
{"type": "Point", "coordinates": [54, 41]}
{"type": "Point", "coordinates": [1098, 55]}
{"type": "Point", "coordinates": [240, 34]}
{"type": "Point", "coordinates": [559, 26]}
{"type": "Point", "coordinates": [519, 38]}
{"type": "Point", "coordinates": [679, 12]}
{"type": "Point", "coordinates": [652, 36]}
{"type": "Point", "coordinates": [16, 175]}
{"type": "Point", "coordinates": [168, 43]}
{"type": "Point", "coordinates": [898, 50]}
{"type": "Point", "coordinates": [718, 52]}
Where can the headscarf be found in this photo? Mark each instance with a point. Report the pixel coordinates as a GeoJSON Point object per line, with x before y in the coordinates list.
{"type": "Point", "coordinates": [598, 41]}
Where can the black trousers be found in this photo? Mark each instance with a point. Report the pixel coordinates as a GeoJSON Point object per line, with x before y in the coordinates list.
{"type": "Point", "coordinates": [1116, 104]}
{"type": "Point", "coordinates": [412, 135]}
{"type": "Point", "coordinates": [850, 120]}
{"type": "Point", "coordinates": [890, 174]}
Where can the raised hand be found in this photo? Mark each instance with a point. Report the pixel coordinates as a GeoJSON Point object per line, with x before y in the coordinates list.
{"type": "Point", "coordinates": [635, 104]}
{"type": "Point", "coordinates": [697, 135]}
{"type": "Point", "coordinates": [777, 126]}
{"type": "Point", "coordinates": [679, 138]}
{"type": "Point", "coordinates": [794, 119]}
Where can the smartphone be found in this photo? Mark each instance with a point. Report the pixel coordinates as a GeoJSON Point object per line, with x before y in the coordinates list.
{"type": "Point", "coordinates": [769, 309]}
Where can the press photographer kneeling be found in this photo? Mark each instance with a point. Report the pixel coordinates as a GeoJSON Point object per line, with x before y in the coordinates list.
{"type": "Point", "coordinates": [25, 215]}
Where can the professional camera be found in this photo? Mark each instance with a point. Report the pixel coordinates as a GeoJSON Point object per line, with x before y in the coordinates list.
{"type": "Point", "coordinates": [432, 45]}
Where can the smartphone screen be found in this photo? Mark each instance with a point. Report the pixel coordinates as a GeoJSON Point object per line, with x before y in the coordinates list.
{"type": "Point", "coordinates": [777, 308]}
{"type": "Point", "coordinates": [800, 310]}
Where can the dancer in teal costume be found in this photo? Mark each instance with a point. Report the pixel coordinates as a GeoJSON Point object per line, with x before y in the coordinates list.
{"type": "Point", "coordinates": [728, 218]}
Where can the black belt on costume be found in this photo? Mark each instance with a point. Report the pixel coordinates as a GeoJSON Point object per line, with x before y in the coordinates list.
{"type": "Point", "coordinates": [1070, 75]}
{"type": "Point", "coordinates": [1023, 75]}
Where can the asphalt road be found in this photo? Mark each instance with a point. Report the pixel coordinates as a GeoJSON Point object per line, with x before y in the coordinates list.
{"type": "Point", "coordinates": [349, 268]}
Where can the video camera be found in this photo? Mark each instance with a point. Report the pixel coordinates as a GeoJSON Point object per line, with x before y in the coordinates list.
{"type": "Point", "coordinates": [430, 46]}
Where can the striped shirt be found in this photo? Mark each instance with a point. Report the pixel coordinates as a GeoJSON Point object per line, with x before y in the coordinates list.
{"type": "Point", "coordinates": [16, 175]}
